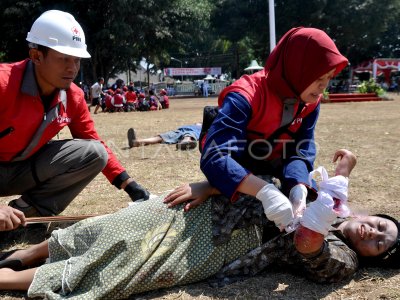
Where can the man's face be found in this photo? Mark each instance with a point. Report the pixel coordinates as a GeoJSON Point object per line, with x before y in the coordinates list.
{"type": "Point", "coordinates": [312, 93]}
{"type": "Point", "coordinates": [370, 235]}
{"type": "Point", "coordinates": [54, 70]}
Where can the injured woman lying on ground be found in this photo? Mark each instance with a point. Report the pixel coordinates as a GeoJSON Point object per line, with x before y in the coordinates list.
{"type": "Point", "coordinates": [194, 234]}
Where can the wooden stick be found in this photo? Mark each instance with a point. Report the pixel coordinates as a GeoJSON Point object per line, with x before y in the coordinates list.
{"type": "Point", "coordinates": [58, 219]}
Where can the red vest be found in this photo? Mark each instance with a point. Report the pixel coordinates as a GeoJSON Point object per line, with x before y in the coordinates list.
{"type": "Point", "coordinates": [130, 97]}
{"type": "Point", "coordinates": [267, 110]}
{"type": "Point", "coordinates": [118, 100]}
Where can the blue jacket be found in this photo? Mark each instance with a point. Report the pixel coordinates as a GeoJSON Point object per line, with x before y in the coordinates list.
{"type": "Point", "coordinates": [224, 156]}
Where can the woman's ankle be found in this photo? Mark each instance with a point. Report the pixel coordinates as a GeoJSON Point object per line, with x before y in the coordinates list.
{"type": "Point", "coordinates": [16, 280]}
{"type": "Point", "coordinates": [8, 279]}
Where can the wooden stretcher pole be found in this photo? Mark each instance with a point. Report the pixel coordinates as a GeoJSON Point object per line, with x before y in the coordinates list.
{"type": "Point", "coordinates": [59, 219]}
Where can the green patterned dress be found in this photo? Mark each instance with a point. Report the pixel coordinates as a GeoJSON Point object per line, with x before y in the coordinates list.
{"type": "Point", "coordinates": [140, 248]}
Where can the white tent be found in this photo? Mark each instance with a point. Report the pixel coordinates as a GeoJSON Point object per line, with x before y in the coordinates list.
{"type": "Point", "coordinates": [209, 77]}
{"type": "Point", "coordinates": [254, 66]}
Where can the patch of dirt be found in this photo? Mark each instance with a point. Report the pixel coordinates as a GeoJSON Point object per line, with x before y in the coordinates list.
{"type": "Point", "coordinates": [369, 129]}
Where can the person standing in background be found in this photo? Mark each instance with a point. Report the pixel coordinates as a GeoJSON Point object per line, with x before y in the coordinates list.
{"type": "Point", "coordinates": [96, 91]}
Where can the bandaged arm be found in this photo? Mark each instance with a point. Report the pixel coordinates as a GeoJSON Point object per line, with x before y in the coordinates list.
{"type": "Point", "coordinates": [320, 214]}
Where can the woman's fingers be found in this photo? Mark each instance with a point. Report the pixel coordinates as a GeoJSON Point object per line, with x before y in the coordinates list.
{"type": "Point", "coordinates": [189, 205]}
{"type": "Point", "coordinates": [178, 200]}
{"type": "Point", "coordinates": [185, 193]}
{"type": "Point", "coordinates": [338, 155]}
{"type": "Point", "coordinates": [193, 204]}
{"type": "Point", "coordinates": [177, 192]}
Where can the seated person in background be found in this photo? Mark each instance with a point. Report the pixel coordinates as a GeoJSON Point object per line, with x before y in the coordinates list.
{"type": "Point", "coordinates": [153, 101]}
{"type": "Point", "coordinates": [131, 99]}
{"type": "Point", "coordinates": [164, 100]}
{"type": "Point", "coordinates": [118, 101]}
{"type": "Point", "coordinates": [108, 95]}
{"type": "Point", "coordinates": [167, 243]}
{"type": "Point", "coordinates": [143, 103]}
{"type": "Point", "coordinates": [185, 137]}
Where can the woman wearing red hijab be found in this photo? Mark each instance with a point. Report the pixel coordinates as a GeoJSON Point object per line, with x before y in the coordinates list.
{"type": "Point", "coordinates": [266, 121]}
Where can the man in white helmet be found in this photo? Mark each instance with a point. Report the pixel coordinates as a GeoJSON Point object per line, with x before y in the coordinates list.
{"type": "Point", "coordinates": [40, 99]}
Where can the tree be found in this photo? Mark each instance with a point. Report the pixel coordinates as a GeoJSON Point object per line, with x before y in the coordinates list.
{"type": "Point", "coordinates": [191, 34]}
{"type": "Point", "coordinates": [232, 20]}
{"type": "Point", "coordinates": [110, 34]}
{"type": "Point", "coordinates": [227, 33]}
{"type": "Point", "coordinates": [358, 25]}
{"type": "Point", "coordinates": [16, 19]}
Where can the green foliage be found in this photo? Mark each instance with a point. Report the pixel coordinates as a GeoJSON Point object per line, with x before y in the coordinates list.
{"type": "Point", "coordinates": [16, 20]}
{"type": "Point", "coordinates": [358, 25]}
{"type": "Point", "coordinates": [224, 33]}
{"type": "Point", "coordinates": [370, 86]}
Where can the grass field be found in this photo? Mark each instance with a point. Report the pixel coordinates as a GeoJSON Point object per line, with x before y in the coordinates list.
{"type": "Point", "coordinates": [369, 129]}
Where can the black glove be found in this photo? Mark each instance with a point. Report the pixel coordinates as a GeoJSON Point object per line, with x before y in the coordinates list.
{"type": "Point", "coordinates": [136, 191]}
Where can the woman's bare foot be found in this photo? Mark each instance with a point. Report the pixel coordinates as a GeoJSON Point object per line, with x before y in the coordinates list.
{"type": "Point", "coordinates": [5, 275]}
{"type": "Point", "coordinates": [13, 280]}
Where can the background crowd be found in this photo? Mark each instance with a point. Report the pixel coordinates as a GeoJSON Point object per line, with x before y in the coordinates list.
{"type": "Point", "coordinates": [120, 97]}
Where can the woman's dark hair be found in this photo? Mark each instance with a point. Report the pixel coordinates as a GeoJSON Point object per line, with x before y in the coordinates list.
{"type": "Point", "coordinates": [391, 257]}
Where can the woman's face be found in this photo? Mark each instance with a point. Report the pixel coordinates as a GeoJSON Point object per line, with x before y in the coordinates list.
{"type": "Point", "coordinates": [370, 235]}
{"type": "Point", "coordinates": [312, 93]}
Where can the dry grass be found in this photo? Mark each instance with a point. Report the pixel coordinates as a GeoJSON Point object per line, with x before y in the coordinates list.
{"type": "Point", "coordinates": [370, 130]}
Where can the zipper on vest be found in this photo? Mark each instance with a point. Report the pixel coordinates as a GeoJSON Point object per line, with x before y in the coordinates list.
{"type": "Point", "coordinates": [44, 116]}
{"type": "Point", "coordinates": [6, 131]}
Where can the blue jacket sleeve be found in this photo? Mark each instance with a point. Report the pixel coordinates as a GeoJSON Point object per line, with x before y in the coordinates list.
{"type": "Point", "coordinates": [301, 157]}
{"type": "Point", "coordinates": [225, 145]}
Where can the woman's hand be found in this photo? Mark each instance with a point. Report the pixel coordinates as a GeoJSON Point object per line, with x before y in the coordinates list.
{"type": "Point", "coordinates": [346, 163]}
{"type": "Point", "coordinates": [193, 193]}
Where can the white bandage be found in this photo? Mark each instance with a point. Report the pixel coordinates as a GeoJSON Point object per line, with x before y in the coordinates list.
{"type": "Point", "coordinates": [320, 214]}
{"type": "Point", "coordinates": [298, 196]}
{"type": "Point", "coordinates": [276, 206]}
{"type": "Point", "coordinates": [336, 187]}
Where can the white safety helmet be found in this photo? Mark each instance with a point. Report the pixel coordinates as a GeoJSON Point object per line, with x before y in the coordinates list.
{"type": "Point", "coordinates": [59, 31]}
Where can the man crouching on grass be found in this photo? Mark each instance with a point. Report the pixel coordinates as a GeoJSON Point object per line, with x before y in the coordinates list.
{"type": "Point", "coordinates": [39, 100]}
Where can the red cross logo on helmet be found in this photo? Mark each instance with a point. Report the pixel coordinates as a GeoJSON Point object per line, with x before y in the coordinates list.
{"type": "Point", "coordinates": [75, 31]}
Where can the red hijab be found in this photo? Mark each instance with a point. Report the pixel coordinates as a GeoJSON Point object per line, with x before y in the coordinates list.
{"type": "Point", "coordinates": [301, 57]}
